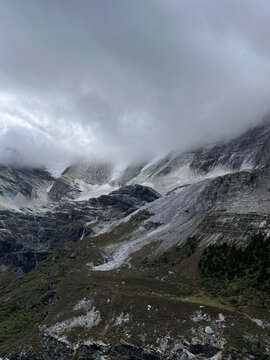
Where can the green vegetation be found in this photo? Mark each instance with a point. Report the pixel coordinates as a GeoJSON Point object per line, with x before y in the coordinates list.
{"type": "Point", "coordinates": [170, 283]}
{"type": "Point", "coordinates": [233, 271]}
{"type": "Point", "coordinates": [23, 306]}
{"type": "Point", "coordinates": [24, 303]}
{"type": "Point", "coordinates": [170, 258]}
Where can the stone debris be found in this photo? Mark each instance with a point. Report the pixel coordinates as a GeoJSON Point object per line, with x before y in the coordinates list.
{"type": "Point", "coordinates": [92, 318]}
{"type": "Point", "coordinates": [83, 304]}
{"type": "Point", "coordinates": [208, 330]}
{"type": "Point", "coordinates": [121, 319]}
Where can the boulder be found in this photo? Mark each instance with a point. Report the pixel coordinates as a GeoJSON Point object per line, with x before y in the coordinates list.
{"type": "Point", "coordinates": [208, 330]}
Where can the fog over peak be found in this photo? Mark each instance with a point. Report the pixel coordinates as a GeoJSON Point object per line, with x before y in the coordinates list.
{"type": "Point", "coordinates": [120, 80]}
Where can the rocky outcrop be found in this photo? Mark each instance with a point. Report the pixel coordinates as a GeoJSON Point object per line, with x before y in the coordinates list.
{"type": "Point", "coordinates": [170, 173]}
{"type": "Point", "coordinates": [127, 198]}
{"type": "Point", "coordinates": [130, 173]}
{"type": "Point", "coordinates": [23, 180]}
{"type": "Point", "coordinates": [243, 191]}
{"type": "Point", "coordinates": [62, 188]}
{"type": "Point", "coordinates": [64, 350]}
{"type": "Point", "coordinates": [75, 177]}
{"type": "Point", "coordinates": [25, 238]}
{"type": "Point", "coordinates": [250, 150]}
{"type": "Point", "coordinates": [167, 173]}
{"type": "Point", "coordinates": [146, 292]}
{"type": "Point", "coordinates": [21, 187]}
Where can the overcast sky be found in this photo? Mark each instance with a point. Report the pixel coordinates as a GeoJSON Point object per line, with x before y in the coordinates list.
{"type": "Point", "coordinates": [120, 79]}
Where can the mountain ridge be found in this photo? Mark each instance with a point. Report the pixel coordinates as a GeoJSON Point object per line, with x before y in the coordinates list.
{"type": "Point", "coordinates": [170, 173]}
{"type": "Point", "coordinates": [109, 267]}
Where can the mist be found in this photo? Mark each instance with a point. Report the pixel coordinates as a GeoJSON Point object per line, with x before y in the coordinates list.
{"type": "Point", "coordinates": [122, 80]}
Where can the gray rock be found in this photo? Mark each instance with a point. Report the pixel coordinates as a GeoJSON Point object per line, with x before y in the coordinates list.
{"type": "Point", "coordinates": [183, 356]}
{"type": "Point", "coordinates": [205, 350]}
{"type": "Point", "coordinates": [66, 185]}
{"type": "Point", "coordinates": [251, 341]}
{"type": "Point", "coordinates": [208, 330]}
{"type": "Point", "coordinates": [125, 343]}
{"type": "Point", "coordinates": [177, 348]}
{"type": "Point", "coordinates": [252, 145]}
{"type": "Point", "coordinates": [26, 238]}
{"type": "Point", "coordinates": [131, 172]}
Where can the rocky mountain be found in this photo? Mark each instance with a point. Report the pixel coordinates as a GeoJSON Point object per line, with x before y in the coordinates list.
{"type": "Point", "coordinates": [20, 187]}
{"type": "Point", "coordinates": [27, 238]}
{"type": "Point", "coordinates": [247, 151]}
{"type": "Point", "coordinates": [167, 260]}
{"type": "Point", "coordinates": [78, 178]}
{"type": "Point", "coordinates": [250, 150]}
{"type": "Point", "coordinates": [83, 180]}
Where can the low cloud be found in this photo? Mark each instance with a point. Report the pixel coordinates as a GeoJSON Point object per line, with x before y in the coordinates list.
{"type": "Point", "coordinates": [125, 79]}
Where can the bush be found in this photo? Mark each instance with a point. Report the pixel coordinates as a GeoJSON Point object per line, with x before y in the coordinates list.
{"type": "Point", "coordinates": [238, 268]}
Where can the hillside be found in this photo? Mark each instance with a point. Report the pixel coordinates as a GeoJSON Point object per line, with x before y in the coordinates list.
{"type": "Point", "coordinates": [170, 259]}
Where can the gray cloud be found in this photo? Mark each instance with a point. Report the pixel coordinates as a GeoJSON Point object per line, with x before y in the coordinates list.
{"type": "Point", "coordinates": [120, 79]}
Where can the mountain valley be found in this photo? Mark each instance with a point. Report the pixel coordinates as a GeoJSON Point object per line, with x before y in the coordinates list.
{"type": "Point", "coordinates": [164, 260]}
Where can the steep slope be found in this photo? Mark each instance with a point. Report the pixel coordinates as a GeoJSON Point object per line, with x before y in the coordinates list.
{"type": "Point", "coordinates": [250, 150]}
{"type": "Point", "coordinates": [130, 173]}
{"type": "Point", "coordinates": [24, 187]}
{"type": "Point", "coordinates": [81, 178]}
{"type": "Point", "coordinates": [81, 181]}
{"type": "Point", "coordinates": [247, 151]}
{"type": "Point", "coordinates": [27, 238]}
{"type": "Point", "coordinates": [133, 270]}
{"type": "Point", "coordinates": [180, 214]}
{"type": "Point", "coordinates": [135, 275]}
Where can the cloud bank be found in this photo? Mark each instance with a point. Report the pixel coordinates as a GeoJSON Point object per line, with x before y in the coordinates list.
{"type": "Point", "coordinates": [123, 79]}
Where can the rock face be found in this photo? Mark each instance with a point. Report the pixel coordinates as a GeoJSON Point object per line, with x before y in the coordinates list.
{"type": "Point", "coordinates": [63, 350]}
{"type": "Point", "coordinates": [25, 239]}
{"type": "Point", "coordinates": [130, 173]}
{"type": "Point", "coordinates": [250, 150]}
{"type": "Point", "coordinates": [21, 186]}
{"type": "Point", "coordinates": [128, 197]}
{"type": "Point", "coordinates": [126, 264]}
{"type": "Point", "coordinates": [165, 174]}
{"type": "Point", "coordinates": [24, 181]}
{"type": "Point", "coordinates": [170, 173]}
{"type": "Point", "coordinates": [72, 180]}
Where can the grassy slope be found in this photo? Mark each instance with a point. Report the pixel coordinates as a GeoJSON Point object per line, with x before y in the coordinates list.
{"type": "Point", "coordinates": [173, 298]}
